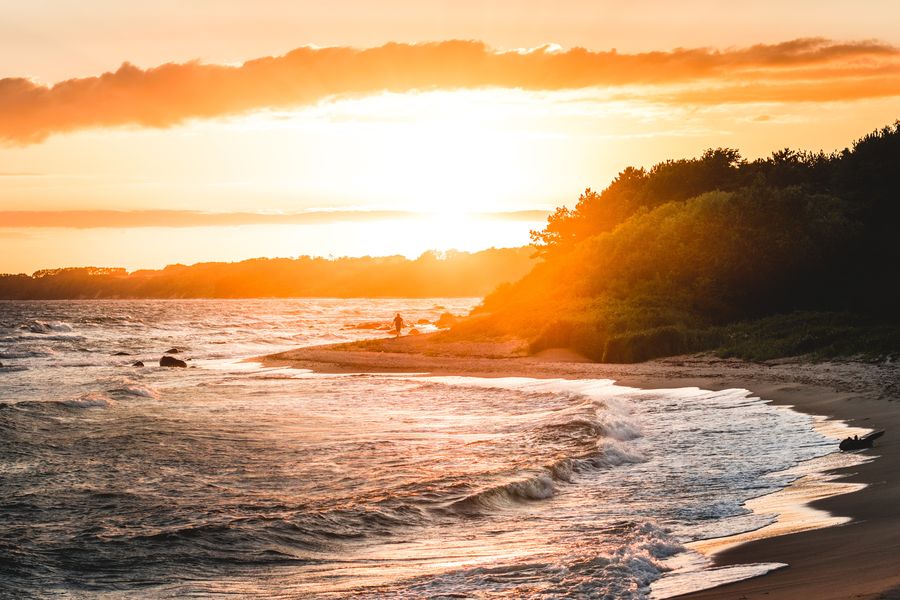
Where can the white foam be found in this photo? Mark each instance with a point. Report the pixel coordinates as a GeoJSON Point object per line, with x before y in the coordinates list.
{"type": "Point", "coordinates": [43, 326]}
{"type": "Point", "coordinates": [89, 400]}
{"type": "Point", "coordinates": [700, 576]}
{"type": "Point", "coordinates": [138, 390]}
{"type": "Point", "coordinates": [58, 326]}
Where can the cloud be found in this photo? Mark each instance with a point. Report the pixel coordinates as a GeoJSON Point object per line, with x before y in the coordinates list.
{"type": "Point", "coordinates": [169, 94]}
{"type": "Point", "coordinates": [92, 219]}
{"type": "Point", "coordinates": [800, 91]}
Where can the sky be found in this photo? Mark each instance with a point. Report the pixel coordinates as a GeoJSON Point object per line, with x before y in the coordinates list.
{"type": "Point", "coordinates": [144, 134]}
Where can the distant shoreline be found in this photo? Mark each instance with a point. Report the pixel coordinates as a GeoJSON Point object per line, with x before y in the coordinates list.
{"type": "Point", "coordinates": [856, 560]}
{"type": "Point", "coordinates": [431, 275]}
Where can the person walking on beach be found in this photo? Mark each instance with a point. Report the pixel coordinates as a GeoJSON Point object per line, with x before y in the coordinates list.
{"type": "Point", "coordinates": [398, 324]}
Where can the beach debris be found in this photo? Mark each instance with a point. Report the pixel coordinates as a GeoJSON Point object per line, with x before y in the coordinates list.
{"type": "Point", "coordinates": [859, 443]}
{"type": "Point", "coordinates": [168, 361]}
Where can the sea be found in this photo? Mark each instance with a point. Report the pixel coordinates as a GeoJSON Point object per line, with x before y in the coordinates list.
{"type": "Point", "coordinates": [232, 479]}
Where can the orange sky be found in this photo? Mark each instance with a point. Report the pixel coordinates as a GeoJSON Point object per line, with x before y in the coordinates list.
{"type": "Point", "coordinates": [443, 114]}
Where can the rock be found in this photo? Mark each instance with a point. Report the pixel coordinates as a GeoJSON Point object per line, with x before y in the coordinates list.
{"type": "Point", "coordinates": [172, 351]}
{"type": "Point", "coordinates": [168, 361]}
{"type": "Point", "coordinates": [120, 353]}
{"type": "Point", "coordinates": [413, 331]}
{"type": "Point", "coordinates": [1, 364]}
{"type": "Point", "coordinates": [137, 363]}
{"type": "Point", "coordinates": [446, 320]}
{"type": "Point", "coordinates": [422, 322]}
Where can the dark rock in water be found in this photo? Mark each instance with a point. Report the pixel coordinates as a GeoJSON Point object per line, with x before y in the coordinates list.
{"type": "Point", "coordinates": [120, 353]}
{"type": "Point", "coordinates": [137, 363]}
{"type": "Point", "coordinates": [168, 361]}
{"type": "Point", "coordinates": [422, 322]}
{"type": "Point", "coordinates": [1, 364]}
{"type": "Point", "coordinates": [172, 351]}
{"type": "Point", "coordinates": [413, 331]}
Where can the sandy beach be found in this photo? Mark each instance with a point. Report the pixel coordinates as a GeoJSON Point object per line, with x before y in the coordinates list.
{"type": "Point", "coordinates": [859, 559]}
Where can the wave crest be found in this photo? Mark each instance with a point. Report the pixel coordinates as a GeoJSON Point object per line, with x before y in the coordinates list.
{"type": "Point", "coordinates": [45, 326]}
{"type": "Point", "coordinates": [544, 485]}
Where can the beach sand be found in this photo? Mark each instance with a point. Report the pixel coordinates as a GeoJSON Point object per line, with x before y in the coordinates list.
{"type": "Point", "coordinates": [859, 559]}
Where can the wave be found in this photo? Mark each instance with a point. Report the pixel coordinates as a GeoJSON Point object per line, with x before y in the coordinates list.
{"type": "Point", "coordinates": [137, 390]}
{"type": "Point", "coordinates": [545, 484]}
{"type": "Point", "coordinates": [60, 337]}
{"type": "Point", "coordinates": [80, 365]}
{"type": "Point", "coordinates": [539, 487]}
{"type": "Point", "coordinates": [89, 400]}
{"type": "Point", "coordinates": [45, 326]}
{"type": "Point", "coordinates": [369, 325]}
{"type": "Point", "coordinates": [15, 353]}
{"type": "Point", "coordinates": [611, 455]}
{"type": "Point", "coordinates": [603, 423]}
{"type": "Point", "coordinates": [627, 559]}
{"type": "Point", "coordinates": [299, 532]}
{"type": "Point", "coordinates": [625, 571]}
{"type": "Point", "coordinates": [590, 406]}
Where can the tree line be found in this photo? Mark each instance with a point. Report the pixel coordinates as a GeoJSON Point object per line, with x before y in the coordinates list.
{"type": "Point", "coordinates": [433, 274]}
{"type": "Point", "coordinates": [790, 254]}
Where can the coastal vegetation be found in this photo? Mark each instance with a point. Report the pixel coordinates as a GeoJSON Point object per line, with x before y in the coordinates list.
{"type": "Point", "coordinates": [793, 254]}
{"type": "Point", "coordinates": [432, 274]}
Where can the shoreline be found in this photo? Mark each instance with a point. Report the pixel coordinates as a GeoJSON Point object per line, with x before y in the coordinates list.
{"type": "Point", "coordinates": [855, 559]}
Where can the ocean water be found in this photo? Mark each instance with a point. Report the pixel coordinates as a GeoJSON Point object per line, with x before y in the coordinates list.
{"type": "Point", "coordinates": [231, 479]}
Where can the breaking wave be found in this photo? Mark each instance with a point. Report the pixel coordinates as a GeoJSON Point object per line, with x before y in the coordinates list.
{"type": "Point", "coordinates": [89, 400]}
{"type": "Point", "coordinates": [544, 485]}
{"type": "Point", "coordinates": [44, 326]}
{"type": "Point", "coordinates": [137, 390]}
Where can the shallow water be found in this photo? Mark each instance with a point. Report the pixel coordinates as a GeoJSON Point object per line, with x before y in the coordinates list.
{"type": "Point", "coordinates": [231, 478]}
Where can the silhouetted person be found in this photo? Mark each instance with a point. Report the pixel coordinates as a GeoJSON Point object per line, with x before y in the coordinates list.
{"type": "Point", "coordinates": [398, 324]}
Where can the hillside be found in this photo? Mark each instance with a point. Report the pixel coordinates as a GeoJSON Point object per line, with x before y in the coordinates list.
{"type": "Point", "coordinates": [793, 254]}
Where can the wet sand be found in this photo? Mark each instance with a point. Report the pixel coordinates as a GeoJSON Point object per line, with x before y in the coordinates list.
{"type": "Point", "coordinates": [859, 559]}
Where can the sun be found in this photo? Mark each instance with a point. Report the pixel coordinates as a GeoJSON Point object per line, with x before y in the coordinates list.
{"type": "Point", "coordinates": [436, 152]}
